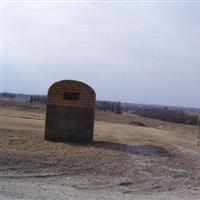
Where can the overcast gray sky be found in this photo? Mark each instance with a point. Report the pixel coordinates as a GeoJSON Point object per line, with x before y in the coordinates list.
{"type": "Point", "coordinates": [133, 52]}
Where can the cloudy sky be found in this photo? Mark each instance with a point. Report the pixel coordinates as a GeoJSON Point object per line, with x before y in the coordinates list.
{"type": "Point", "coordinates": [142, 52]}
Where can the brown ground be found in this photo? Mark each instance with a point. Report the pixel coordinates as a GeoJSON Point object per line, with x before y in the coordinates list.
{"type": "Point", "coordinates": [124, 159]}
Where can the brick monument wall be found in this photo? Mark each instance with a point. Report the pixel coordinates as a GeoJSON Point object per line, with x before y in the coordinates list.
{"type": "Point", "coordinates": [70, 112]}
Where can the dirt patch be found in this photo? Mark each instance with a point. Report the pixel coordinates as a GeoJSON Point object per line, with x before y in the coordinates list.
{"type": "Point", "coordinates": [137, 123]}
{"type": "Point", "coordinates": [142, 150]}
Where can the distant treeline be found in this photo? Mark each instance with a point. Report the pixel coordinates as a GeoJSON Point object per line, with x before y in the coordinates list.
{"type": "Point", "coordinates": [25, 97]}
{"type": "Point", "coordinates": [38, 99]}
{"type": "Point", "coordinates": [8, 95]}
{"type": "Point", "coordinates": [165, 114]}
{"type": "Point", "coordinates": [168, 114]}
{"type": "Point", "coordinates": [156, 112]}
{"type": "Point", "coordinates": [109, 106]}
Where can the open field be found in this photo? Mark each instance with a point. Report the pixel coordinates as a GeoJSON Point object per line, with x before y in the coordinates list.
{"type": "Point", "coordinates": [158, 161]}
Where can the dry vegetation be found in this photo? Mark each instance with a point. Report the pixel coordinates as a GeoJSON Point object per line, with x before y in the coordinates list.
{"type": "Point", "coordinates": [125, 158]}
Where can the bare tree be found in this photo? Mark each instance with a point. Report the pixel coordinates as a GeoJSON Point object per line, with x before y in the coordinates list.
{"type": "Point", "coordinates": [118, 108]}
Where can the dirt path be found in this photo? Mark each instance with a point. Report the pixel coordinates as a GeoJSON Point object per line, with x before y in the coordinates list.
{"type": "Point", "coordinates": [72, 188]}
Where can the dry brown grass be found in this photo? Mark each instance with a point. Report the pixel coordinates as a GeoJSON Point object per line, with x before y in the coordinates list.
{"type": "Point", "coordinates": [130, 157]}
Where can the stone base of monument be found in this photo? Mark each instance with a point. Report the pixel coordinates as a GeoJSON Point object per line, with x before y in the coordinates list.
{"type": "Point", "coordinates": [70, 124]}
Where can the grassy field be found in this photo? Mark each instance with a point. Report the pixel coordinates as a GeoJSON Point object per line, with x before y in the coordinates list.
{"type": "Point", "coordinates": [124, 159]}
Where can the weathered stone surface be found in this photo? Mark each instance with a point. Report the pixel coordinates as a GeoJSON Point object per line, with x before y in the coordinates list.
{"type": "Point", "coordinates": [70, 112]}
